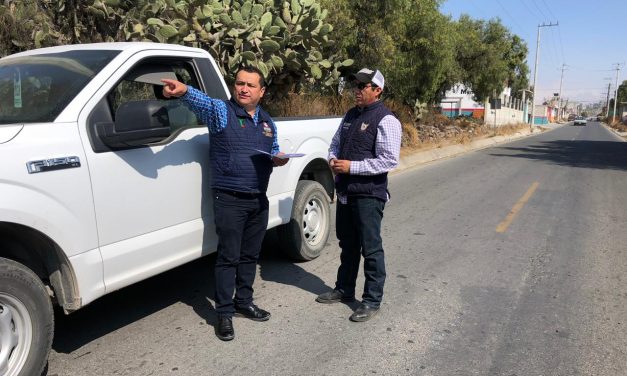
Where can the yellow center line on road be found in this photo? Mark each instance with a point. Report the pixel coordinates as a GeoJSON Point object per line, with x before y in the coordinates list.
{"type": "Point", "coordinates": [502, 227]}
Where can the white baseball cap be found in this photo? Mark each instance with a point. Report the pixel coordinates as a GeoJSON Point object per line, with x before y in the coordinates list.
{"type": "Point", "coordinates": [367, 76]}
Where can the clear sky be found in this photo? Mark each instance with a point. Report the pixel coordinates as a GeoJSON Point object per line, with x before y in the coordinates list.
{"type": "Point", "coordinates": [590, 39]}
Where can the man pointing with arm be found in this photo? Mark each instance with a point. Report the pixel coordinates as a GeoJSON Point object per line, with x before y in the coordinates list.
{"type": "Point", "coordinates": [239, 129]}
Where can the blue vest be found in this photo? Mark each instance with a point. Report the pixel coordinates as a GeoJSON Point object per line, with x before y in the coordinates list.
{"type": "Point", "coordinates": [358, 142]}
{"type": "Point", "coordinates": [235, 165]}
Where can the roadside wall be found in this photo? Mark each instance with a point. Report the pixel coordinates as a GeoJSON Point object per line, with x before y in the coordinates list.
{"type": "Point", "coordinates": [506, 114]}
{"type": "Point", "coordinates": [459, 101]}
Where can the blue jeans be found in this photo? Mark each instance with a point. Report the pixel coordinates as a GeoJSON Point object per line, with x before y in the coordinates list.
{"type": "Point", "coordinates": [358, 228]}
{"type": "Point", "coordinates": [241, 223]}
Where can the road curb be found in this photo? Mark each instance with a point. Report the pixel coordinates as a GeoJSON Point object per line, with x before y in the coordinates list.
{"type": "Point", "coordinates": [621, 135]}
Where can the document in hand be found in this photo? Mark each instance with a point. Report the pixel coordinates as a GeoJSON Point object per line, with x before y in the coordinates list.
{"type": "Point", "coordinates": [283, 156]}
{"type": "Point", "coordinates": [290, 155]}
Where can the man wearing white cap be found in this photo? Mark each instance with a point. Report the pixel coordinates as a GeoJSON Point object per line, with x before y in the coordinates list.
{"type": "Point", "coordinates": [364, 149]}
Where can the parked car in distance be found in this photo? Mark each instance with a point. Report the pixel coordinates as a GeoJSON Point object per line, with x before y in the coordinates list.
{"type": "Point", "coordinates": [580, 120]}
{"type": "Point", "coordinates": [571, 117]}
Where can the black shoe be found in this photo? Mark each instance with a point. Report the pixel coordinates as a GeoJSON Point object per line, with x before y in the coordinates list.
{"type": "Point", "coordinates": [253, 312]}
{"type": "Point", "coordinates": [224, 329]}
{"type": "Point", "coordinates": [334, 296]}
{"type": "Point", "coordinates": [363, 313]}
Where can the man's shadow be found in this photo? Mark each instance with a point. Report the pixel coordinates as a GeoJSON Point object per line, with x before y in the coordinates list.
{"type": "Point", "coordinates": [276, 267]}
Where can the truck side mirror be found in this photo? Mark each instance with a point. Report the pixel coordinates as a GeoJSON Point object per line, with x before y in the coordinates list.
{"type": "Point", "coordinates": [137, 123]}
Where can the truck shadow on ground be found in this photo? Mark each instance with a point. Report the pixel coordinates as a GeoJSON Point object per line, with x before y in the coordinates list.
{"type": "Point", "coordinates": [275, 267]}
{"type": "Point", "coordinates": [192, 284]}
{"type": "Point", "coordinates": [610, 155]}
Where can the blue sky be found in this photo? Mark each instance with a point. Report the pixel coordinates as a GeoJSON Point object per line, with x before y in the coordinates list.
{"type": "Point", "coordinates": [590, 39]}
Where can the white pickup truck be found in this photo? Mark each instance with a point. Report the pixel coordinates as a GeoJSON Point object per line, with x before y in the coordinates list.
{"type": "Point", "coordinates": [103, 183]}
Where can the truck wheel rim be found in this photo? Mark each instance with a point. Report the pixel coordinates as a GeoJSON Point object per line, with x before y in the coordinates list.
{"type": "Point", "coordinates": [16, 335]}
{"type": "Point", "coordinates": [314, 221]}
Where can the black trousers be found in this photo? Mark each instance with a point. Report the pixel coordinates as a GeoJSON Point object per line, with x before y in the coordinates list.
{"type": "Point", "coordinates": [358, 228]}
{"type": "Point", "coordinates": [241, 220]}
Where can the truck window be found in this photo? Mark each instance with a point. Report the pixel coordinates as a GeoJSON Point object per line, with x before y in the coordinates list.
{"type": "Point", "coordinates": [36, 88]}
{"type": "Point", "coordinates": [143, 83]}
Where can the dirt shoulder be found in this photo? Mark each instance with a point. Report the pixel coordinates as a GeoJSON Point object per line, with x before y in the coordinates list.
{"type": "Point", "coordinates": [620, 129]}
{"type": "Point", "coordinates": [426, 152]}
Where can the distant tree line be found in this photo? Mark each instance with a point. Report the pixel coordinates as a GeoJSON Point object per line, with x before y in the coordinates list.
{"type": "Point", "coordinates": [304, 45]}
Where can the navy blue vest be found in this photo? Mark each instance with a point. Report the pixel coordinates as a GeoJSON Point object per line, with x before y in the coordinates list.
{"type": "Point", "coordinates": [358, 142]}
{"type": "Point", "coordinates": [235, 165]}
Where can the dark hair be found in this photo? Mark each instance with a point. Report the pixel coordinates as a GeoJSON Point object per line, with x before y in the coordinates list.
{"type": "Point", "coordinates": [251, 69]}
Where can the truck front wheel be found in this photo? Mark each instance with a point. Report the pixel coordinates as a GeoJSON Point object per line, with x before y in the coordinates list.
{"type": "Point", "coordinates": [304, 237]}
{"type": "Point", "coordinates": [26, 321]}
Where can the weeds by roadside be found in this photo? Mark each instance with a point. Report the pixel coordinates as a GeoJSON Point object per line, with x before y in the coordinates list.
{"type": "Point", "coordinates": [621, 127]}
{"type": "Point", "coordinates": [432, 130]}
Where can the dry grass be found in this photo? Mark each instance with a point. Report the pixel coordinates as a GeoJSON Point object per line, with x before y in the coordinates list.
{"type": "Point", "coordinates": [621, 127]}
{"type": "Point", "coordinates": [467, 130]}
{"type": "Point", "coordinates": [309, 105]}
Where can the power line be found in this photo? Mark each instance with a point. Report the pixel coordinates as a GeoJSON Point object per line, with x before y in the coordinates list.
{"type": "Point", "coordinates": [549, 9]}
{"type": "Point", "coordinates": [559, 32]}
{"type": "Point", "coordinates": [590, 70]}
{"type": "Point", "coordinates": [583, 88]}
{"type": "Point", "coordinates": [554, 47]}
{"type": "Point", "coordinates": [540, 10]}
{"type": "Point", "coordinates": [510, 16]}
{"type": "Point", "coordinates": [475, 6]}
{"type": "Point", "coordinates": [557, 41]}
{"type": "Point", "coordinates": [534, 14]}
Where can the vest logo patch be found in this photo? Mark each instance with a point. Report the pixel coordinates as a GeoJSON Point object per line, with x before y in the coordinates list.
{"type": "Point", "coordinates": [267, 130]}
{"type": "Point", "coordinates": [364, 126]}
{"type": "Point", "coordinates": [241, 123]}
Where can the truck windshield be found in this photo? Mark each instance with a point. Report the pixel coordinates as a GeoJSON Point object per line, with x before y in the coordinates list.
{"type": "Point", "coordinates": [37, 88]}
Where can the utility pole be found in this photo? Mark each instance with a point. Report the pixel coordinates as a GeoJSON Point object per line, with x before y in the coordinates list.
{"type": "Point", "coordinates": [607, 101]}
{"type": "Point", "coordinates": [615, 93]}
{"type": "Point", "coordinates": [561, 111]}
{"type": "Point", "coordinates": [535, 72]}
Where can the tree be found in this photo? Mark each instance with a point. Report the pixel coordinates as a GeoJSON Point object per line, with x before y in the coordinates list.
{"type": "Point", "coordinates": [289, 39]}
{"type": "Point", "coordinates": [490, 57]}
{"type": "Point", "coordinates": [622, 93]}
{"type": "Point", "coordinates": [410, 41]}
{"type": "Point", "coordinates": [425, 52]}
{"type": "Point", "coordinates": [518, 71]}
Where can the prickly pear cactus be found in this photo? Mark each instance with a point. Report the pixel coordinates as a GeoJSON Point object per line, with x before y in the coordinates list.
{"type": "Point", "coordinates": [287, 40]}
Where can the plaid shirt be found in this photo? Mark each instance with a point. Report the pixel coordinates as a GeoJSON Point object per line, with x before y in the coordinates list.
{"type": "Point", "coordinates": [213, 112]}
{"type": "Point", "coordinates": [387, 151]}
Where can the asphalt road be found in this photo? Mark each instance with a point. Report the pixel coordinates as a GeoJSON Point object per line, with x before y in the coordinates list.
{"type": "Point", "coordinates": [508, 261]}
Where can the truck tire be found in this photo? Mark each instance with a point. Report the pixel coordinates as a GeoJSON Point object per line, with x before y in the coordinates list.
{"type": "Point", "coordinates": [307, 232]}
{"type": "Point", "coordinates": [26, 321]}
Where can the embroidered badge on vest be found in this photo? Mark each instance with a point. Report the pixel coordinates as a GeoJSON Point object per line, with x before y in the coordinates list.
{"type": "Point", "coordinates": [364, 126]}
{"type": "Point", "coordinates": [241, 123]}
{"type": "Point", "coordinates": [267, 130]}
